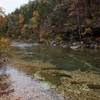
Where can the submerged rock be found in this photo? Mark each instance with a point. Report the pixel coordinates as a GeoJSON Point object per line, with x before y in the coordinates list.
{"type": "Point", "coordinates": [75, 46]}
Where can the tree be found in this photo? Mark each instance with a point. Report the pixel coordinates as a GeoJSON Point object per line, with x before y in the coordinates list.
{"type": "Point", "coordinates": [35, 19]}
{"type": "Point", "coordinates": [3, 21]}
{"type": "Point", "coordinates": [1, 12]}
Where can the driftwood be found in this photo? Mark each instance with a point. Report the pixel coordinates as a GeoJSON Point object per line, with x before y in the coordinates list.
{"type": "Point", "coordinates": [76, 82]}
{"type": "Point", "coordinates": [92, 86]}
{"type": "Point", "coordinates": [62, 74]}
{"type": "Point", "coordinates": [51, 68]}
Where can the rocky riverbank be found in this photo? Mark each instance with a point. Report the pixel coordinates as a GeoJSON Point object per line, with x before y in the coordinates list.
{"type": "Point", "coordinates": [3, 60]}
{"type": "Point", "coordinates": [76, 45]}
{"type": "Point", "coordinates": [75, 85]}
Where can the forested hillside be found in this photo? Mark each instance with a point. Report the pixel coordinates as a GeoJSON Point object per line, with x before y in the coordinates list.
{"type": "Point", "coordinates": [59, 20]}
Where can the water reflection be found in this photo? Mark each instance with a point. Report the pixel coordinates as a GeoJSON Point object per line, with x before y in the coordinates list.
{"type": "Point", "coordinates": [63, 58]}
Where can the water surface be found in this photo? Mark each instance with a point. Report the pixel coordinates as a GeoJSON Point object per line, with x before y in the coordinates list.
{"type": "Point", "coordinates": [63, 58]}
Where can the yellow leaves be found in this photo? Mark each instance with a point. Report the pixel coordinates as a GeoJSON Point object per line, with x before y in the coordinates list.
{"type": "Point", "coordinates": [36, 13]}
{"type": "Point", "coordinates": [35, 19]}
{"type": "Point", "coordinates": [34, 22]}
{"type": "Point", "coordinates": [58, 38]}
{"type": "Point", "coordinates": [88, 30]}
{"type": "Point", "coordinates": [4, 44]}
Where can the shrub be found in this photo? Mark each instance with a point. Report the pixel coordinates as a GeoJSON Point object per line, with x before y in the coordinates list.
{"type": "Point", "coordinates": [4, 44]}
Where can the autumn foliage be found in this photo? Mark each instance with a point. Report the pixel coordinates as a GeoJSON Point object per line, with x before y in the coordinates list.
{"type": "Point", "coordinates": [70, 20]}
{"type": "Point", "coordinates": [4, 44]}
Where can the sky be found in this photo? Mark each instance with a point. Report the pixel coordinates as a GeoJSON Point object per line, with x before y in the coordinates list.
{"type": "Point", "coordinates": [11, 5]}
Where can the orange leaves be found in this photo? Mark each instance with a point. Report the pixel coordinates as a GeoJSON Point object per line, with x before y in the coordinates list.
{"type": "Point", "coordinates": [2, 21]}
{"type": "Point", "coordinates": [2, 18]}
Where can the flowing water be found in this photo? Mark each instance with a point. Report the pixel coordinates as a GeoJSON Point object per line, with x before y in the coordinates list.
{"type": "Point", "coordinates": [63, 58]}
{"type": "Point", "coordinates": [19, 84]}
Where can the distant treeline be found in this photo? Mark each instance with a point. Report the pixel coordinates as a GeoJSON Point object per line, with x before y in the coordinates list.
{"type": "Point", "coordinates": [59, 20]}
